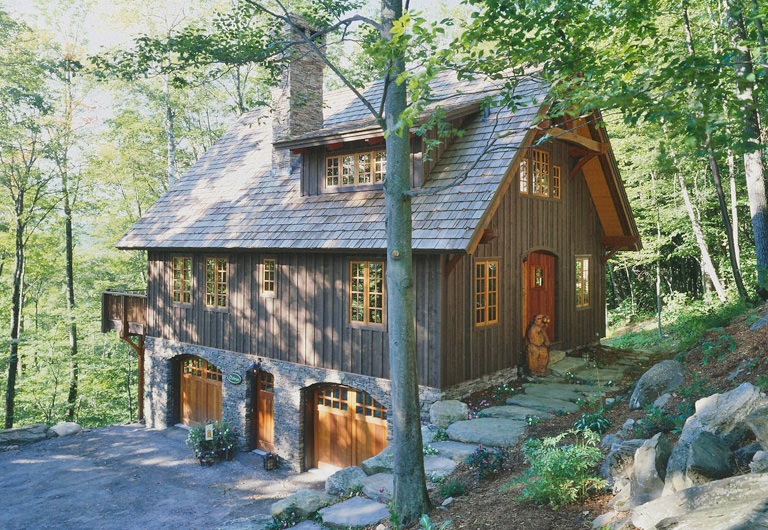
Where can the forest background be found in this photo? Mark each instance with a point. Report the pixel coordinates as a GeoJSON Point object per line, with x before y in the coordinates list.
{"type": "Point", "coordinates": [89, 139]}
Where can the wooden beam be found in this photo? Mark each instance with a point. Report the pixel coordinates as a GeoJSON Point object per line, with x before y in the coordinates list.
{"type": "Point", "coordinates": [580, 164]}
{"type": "Point", "coordinates": [138, 347]}
{"type": "Point", "coordinates": [619, 241]}
{"type": "Point", "coordinates": [572, 137]}
{"type": "Point", "coordinates": [452, 261]}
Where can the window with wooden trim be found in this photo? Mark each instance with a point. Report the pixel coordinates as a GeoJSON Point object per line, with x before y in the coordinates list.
{"type": "Point", "coordinates": [537, 177]}
{"type": "Point", "coordinates": [216, 280]}
{"type": "Point", "coordinates": [268, 277]}
{"type": "Point", "coordinates": [486, 292]}
{"type": "Point", "coordinates": [367, 406]}
{"type": "Point", "coordinates": [582, 281]}
{"type": "Point", "coordinates": [366, 293]}
{"type": "Point", "coordinates": [355, 169]}
{"type": "Point", "coordinates": [182, 280]}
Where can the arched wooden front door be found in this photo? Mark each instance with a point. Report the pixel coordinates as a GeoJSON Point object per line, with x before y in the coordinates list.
{"type": "Point", "coordinates": [200, 391]}
{"type": "Point", "coordinates": [539, 289]}
{"type": "Point", "coordinates": [349, 426]}
{"type": "Point", "coordinates": [263, 415]}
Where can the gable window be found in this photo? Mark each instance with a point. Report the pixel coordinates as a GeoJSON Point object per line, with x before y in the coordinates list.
{"type": "Point", "coordinates": [216, 279]}
{"type": "Point", "coordinates": [182, 280]}
{"type": "Point", "coordinates": [538, 177]}
{"type": "Point", "coordinates": [355, 169]}
{"type": "Point", "coordinates": [366, 293]}
{"type": "Point", "coordinates": [582, 281]}
{"type": "Point", "coordinates": [268, 277]}
{"type": "Point", "coordinates": [486, 292]}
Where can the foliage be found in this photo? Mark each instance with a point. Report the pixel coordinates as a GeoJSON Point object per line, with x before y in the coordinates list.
{"type": "Point", "coordinates": [696, 388]}
{"type": "Point", "coordinates": [531, 419]}
{"type": "Point", "coordinates": [561, 474]}
{"type": "Point", "coordinates": [290, 517]}
{"type": "Point", "coordinates": [595, 422]}
{"type": "Point", "coordinates": [761, 381]}
{"type": "Point", "coordinates": [487, 462]}
{"type": "Point", "coordinates": [501, 392]}
{"type": "Point", "coordinates": [655, 420]}
{"type": "Point", "coordinates": [224, 438]}
{"type": "Point", "coordinates": [426, 524]}
{"type": "Point", "coordinates": [717, 348]}
{"type": "Point", "coordinates": [476, 410]}
{"type": "Point", "coordinates": [453, 487]}
{"type": "Point", "coordinates": [441, 435]}
{"type": "Point", "coordinates": [429, 450]}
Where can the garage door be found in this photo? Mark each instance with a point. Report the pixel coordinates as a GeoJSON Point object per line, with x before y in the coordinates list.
{"type": "Point", "coordinates": [200, 391]}
{"type": "Point", "coordinates": [349, 426]}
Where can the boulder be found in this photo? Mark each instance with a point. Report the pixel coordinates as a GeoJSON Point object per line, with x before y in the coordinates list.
{"type": "Point", "coordinates": [727, 504]}
{"type": "Point", "coordinates": [725, 414]}
{"type": "Point", "coordinates": [542, 404]}
{"type": "Point", "coordinates": [757, 421]}
{"type": "Point", "coordinates": [759, 323]}
{"type": "Point", "coordinates": [343, 480]}
{"type": "Point", "coordinates": [443, 413]}
{"type": "Point", "coordinates": [356, 512]}
{"type": "Point", "coordinates": [759, 462]}
{"type": "Point", "coordinates": [662, 400]}
{"type": "Point", "coordinates": [660, 378]}
{"type": "Point", "coordinates": [65, 428]}
{"type": "Point", "coordinates": [428, 433]}
{"type": "Point", "coordinates": [744, 455]}
{"type": "Point", "coordinates": [704, 458]}
{"type": "Point", "coordinates": [496, 432]}
{"type": "Point", "coordinates": [383, 462]}
{"type": "Point", "coordinates": [649, 470]}
{"type": "Point", "coordinates": [379, 487]}
{"type": "Point", "coordinates": [617, 467]}
{"type": "Point", "coordinates": [24, 435]}
{"type": "Point", "coordinates": [305, 502]}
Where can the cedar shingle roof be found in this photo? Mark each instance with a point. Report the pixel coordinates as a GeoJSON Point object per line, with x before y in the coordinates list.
{"type": "Point", "coordinates": [232, 199]}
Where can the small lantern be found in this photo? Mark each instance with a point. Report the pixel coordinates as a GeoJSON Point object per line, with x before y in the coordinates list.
{"type": "Point", "coordinates": [270, 461]}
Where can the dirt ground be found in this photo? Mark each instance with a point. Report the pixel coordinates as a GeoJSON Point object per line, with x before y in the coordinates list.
{"type": "Point", "coordinates": [128, 477]}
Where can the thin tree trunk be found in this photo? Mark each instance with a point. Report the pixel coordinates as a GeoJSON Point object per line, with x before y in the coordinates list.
{"type": "Point", "coordinates": [753, 160]}
{"type": "Point", "coordinates": [658, 253]}
{"type": "Point", "coordinates": [170, 136]}
{"type": "Point", "coordinates": [724, 214]}
{"type": "Point", "coordinates": [706, 261]}
{"type": "Point", "coordinates": [410, 495]}
{"type": "Point", "coordinates": [13, 358]}
{"type": "Point", "coordinates": [734, 206]}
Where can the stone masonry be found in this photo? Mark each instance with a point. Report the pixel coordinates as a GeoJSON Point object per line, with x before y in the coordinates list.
{"type": "Point", "coordinates": [292, 382]}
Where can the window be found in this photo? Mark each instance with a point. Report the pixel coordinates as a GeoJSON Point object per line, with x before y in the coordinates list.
{"type": "Point", "coordinates": [356, 169]}
{"type": "Point", "coordinates": [367, 406]}
{"type": "Point", "coordinates": [366, 292]}
{"type": "Point", "coordinates": [216, 282]}
{"type": "Point", "coordinates": [486, 292]}
{"type": "Point", "coordinates": [582, 281]}
{"type": "Point", "coordinates": [268, 275]}
{"type": "Point", "coordinates": [537, 177]}
{"type": "Point", "coordinates": [182, 280]}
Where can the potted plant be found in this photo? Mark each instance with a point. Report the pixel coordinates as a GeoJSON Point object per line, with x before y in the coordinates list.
{"type": "Point", "coordinates": [204, 448]}
{"type": "Point", "coordinates": [225, 439]}
{"type": "Point", "coordinates": [220, 442]}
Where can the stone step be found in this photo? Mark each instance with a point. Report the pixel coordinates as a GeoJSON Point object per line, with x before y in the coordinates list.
{"type": "Point", "coordinates": [542, 404]}
{"type": "Point", "coordinates": [356, 512]}
{"type": "Point", "coordinates": [550, 391]}
{"type": "Point", "coordinates": [456, 451]}
{"type": "Point", "coordinates": [561, 386]}
{"type": "Point", "coordinates": [495, 432]}
{"type": "Point", "coordinates": [512, 412]}
{"type": "Point", "coordinates": [438, 466]}
{"type": "Point", "coordinates": [379, 487]}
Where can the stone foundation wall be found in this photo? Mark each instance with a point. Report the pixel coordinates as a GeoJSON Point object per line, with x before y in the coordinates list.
{"type": "Point", "coordinates": [291, 381]}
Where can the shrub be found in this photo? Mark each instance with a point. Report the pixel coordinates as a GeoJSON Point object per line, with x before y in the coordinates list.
{"type": "Point", "coordinates": [696, 389]}
{"type": "Point", "coordinates": [761, 381]}
{"type": "Point", "coordinates": [655, 420]}
{"type": "Point", "coordinates": [441, 435]}
{"type": "Point", "coordinates": [595, 422]}
{"type": "Point", "coordinates": [429, 450]}
{"type": "Point", "coordinates": [717, 348]}
{"type": "Point", "coordinates": [488, 462]}
{"type": "Point", "coordinates": [289, 518]}
{"type": "Point", "coordinates": [561, 474]}
{"type": "Point", "coordinates": [531, 419]}
{"type": "Point", "coordinates": [453, 487]}
{"type": "Point", "coordinates": [426, 524]}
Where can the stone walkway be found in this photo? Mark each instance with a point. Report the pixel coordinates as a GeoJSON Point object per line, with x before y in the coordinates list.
{"type": "Point", "coordinates": [499, 426]}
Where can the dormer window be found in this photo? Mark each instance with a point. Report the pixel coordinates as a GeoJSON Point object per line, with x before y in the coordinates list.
{"type": "Point", "coordinates": [537, 177]}
{"type": "Point", "coordinates": [355, 169]}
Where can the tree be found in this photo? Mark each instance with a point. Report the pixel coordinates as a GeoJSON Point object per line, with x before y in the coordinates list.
{"type": "Point", "coordinates": [22, 109]}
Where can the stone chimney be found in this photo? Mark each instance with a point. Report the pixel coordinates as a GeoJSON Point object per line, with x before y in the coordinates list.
{"type": "Point", "coordinates": [297, 102]}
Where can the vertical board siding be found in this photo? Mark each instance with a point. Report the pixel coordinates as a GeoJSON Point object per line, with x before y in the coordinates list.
{"type": "Point", "coordinates": [565, 228]}
{"type": "Point", "coordinates": [307, 322]}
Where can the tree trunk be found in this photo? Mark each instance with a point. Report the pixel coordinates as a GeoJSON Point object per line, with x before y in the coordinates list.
{"type": "Point", "coordinates": [724, 215]}
{"type": "Point", "coordinates": [706, 261]}
{"type": "Point", "coordinates": [753, 160]}
{"type": "Point", "coordinates": [658, 253]}
{"type": "Point", "coordinates": [734, 206]}
{"type": "Point", "coordinates": [410, 495]}
{"type": "Point", "coordinates": [13, 358]}
{"type": "Point", "coordinates": [170, 136]}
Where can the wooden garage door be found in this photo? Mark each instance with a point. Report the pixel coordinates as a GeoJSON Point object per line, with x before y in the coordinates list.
{"type": "Point", "coordinates": [349, 426]}
{"type": "Point", "coordinates": [200, 391]}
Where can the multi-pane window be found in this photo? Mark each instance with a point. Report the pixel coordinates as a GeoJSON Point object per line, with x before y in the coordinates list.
{"type": "Point", "coordinates": [355, 169]}
{"type": "Point", "coordinates": [367, 406]}
{"type": "Point", "coordinates": [216, 279]}
{"type": "Point", "coordinates": [201, 368]}
{"type": "Point", "coordinates": [182, 280]}
{"type": "Point", "coordinates": [582, 281]}
{"type": "Point", "coordinates": [536, 176]}
{"type": "Point", "coordinates": [268, 278]}
{"type": "Point", "coordinates": [366, 292]}
{"type": "Point", "coordinates": [486, 292]}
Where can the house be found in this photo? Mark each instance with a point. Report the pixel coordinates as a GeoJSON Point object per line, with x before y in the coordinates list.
{"type": "Point", "coordinates": [266, 301]}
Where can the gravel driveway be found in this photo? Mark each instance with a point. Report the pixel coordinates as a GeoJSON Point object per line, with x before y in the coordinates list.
{"type": "Point", "coordinates": [126, 477]}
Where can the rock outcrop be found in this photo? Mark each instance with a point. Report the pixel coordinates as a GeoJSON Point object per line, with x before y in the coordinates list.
{"type": "Point", "coordinates": [660, 378]}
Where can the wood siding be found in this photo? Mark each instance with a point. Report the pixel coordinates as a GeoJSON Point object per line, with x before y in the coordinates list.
{"type": "Point", "coordinates": [306, 322]}
{"type": "Point", "coordinates": [564, 227]}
